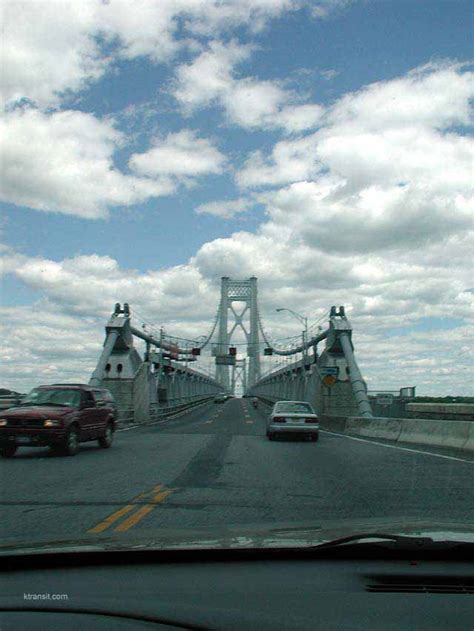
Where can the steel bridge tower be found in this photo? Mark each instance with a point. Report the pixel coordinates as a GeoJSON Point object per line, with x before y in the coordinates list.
{"type": "Point", "coordinates": [239, 375]}
{"type": "Point", "coordinates": [238, 291]}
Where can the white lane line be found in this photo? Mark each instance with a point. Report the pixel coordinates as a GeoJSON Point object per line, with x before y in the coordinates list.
{"type": "Point", "coordinates": [416, 451]}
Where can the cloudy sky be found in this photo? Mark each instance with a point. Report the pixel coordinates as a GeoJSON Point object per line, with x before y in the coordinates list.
{"type": "Point", "coordinates": [324, 146]}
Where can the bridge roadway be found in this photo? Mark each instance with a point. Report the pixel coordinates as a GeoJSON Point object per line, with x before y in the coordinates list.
{"type": "Point", "coordinates": [213, 466]}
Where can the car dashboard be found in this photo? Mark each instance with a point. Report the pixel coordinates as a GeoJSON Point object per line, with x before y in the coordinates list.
{"type": "Point", "coordinates": [117, 591]}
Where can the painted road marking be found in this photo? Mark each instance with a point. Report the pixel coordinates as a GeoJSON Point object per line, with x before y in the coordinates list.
{"type": "Point", "coordinates": [250, 422]}
{"type": "Point", "coordinates": [111, 519]}
{"type": "Point", "coordinates": [206, 422]}
{"type": "Point", "coordinates": [416, 451]}
{"type": "Point", "coordinates": [140, 514]}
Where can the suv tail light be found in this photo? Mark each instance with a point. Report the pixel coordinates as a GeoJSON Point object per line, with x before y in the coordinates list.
{"type": "Point", "coordinates": [279, 419]}
{"type": "Point", "coordinates": [311, 420]}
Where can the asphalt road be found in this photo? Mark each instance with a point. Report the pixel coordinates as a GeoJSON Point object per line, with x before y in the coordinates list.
{"type": "Point", "coordinates": [214, 466]}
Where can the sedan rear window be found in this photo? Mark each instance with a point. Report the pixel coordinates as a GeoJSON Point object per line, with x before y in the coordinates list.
{"type": "Point", "coordinates": [295, 407]}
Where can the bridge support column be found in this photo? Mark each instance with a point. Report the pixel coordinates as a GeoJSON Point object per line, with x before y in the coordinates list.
{"type": "Point", "coordinates": [358, 384]}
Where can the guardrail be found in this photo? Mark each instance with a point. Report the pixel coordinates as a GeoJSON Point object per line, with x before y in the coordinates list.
{"type": "Point", "coordinates": [126, 415]}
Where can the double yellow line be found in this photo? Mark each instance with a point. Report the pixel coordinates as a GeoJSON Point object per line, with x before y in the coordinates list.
{"type": "Point", "coordinates": [158, 493]}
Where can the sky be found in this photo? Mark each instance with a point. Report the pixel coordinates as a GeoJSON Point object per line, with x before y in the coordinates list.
{"type": "Point", "coordinates": [324, 146]}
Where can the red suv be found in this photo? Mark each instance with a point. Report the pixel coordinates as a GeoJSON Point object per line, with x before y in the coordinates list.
{"type": "Point", "coordinates": [59, 416]}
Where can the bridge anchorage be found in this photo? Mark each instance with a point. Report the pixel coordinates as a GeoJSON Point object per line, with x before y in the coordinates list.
{"type": "Point", "coordinates": [161, 382]}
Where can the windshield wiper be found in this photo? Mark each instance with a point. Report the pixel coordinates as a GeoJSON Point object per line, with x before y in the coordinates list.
{"type": "Point", "coordinates": [399, 542]}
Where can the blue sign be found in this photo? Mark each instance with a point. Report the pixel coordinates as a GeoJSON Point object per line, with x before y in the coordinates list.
{"type": "Point", "coordinates": [330, 370]}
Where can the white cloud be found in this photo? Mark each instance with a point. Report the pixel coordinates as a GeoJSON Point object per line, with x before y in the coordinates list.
{"type": "Point", "coordinates": [183, 154]}
{"type": "Point", "coordinates": [435, 95]}
{"type": "Point", "coordinates": [209, 75]}
{"type": "Point", "coordinates": [226, 208]}
{"type": "Point", "coordinates": [291, 161]}
{"type": "Point", "coordinates": [377, 176]}
{"type": "Point", "coordinates": [93, 284]}
{"type": "Point", "coordinates": [52, 48]}
{"type": "Point", "coordinates": [376, 219]}
{"type": "Point", "coordinates": [35, 351]}
{"type": "Point", "coordinates": [248, 102]}
{"type": "Point", "coordinates": [47, 49]}
{"type": "Point", "coordinates": [63, 162]}
{"type": "Point", "coordinates": [329, 74]}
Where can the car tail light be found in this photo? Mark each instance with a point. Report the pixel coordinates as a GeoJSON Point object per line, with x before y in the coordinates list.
{"type": "Point", "coordinates": [311, 420]}
{"type": "Point", "coordinates": [279, 419]}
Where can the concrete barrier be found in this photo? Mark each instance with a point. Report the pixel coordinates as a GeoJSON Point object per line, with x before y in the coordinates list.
{"type": "Point", "coordinates": [439, 433]}
{"type": "Point", "coordinates": [376, 427]}
{"type": "Point", "coordinates": [434, 432]}
{"type": "Point", "coordinates": [469, 444]}
{"type": "Point", "coordinates": [333, 423]}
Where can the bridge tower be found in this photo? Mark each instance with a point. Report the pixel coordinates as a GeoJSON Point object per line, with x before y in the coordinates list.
{"type": "Point", "coordinates": [239, 375]}
{"type": "Point", "coordinates": [238, 291]}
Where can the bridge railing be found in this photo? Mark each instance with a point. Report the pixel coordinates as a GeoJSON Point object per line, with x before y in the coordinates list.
{"type": "Point", "coordinates": [157, 412]}
{"type": "Point", "coordinates": [331, 382]}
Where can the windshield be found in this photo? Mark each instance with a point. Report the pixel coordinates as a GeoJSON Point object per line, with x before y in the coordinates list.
{"type": "Point", "coordinates": [237, 269]}
{"type": "Point", "coordinates": [71, 398]}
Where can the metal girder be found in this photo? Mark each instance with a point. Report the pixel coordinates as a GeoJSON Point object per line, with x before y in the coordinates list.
{"type": "Point", "coordinates": [233, 290]}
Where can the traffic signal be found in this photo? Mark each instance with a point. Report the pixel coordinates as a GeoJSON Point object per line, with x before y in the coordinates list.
{"type": "Point", "coordinates": [232, 351]}
{"type": "Point", "coordinates": [268, 351]}
{"type": "Point", "coordinates": [196, 351]}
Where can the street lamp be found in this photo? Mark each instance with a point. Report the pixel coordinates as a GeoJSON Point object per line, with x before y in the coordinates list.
{"type": "Point", "coordinates": [304, 320]}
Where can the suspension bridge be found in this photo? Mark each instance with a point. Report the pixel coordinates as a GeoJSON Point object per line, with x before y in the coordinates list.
{"type": "Point", "coordinates": [161, 380]}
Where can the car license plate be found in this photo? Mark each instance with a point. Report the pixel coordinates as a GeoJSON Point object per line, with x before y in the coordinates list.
{"type": "Point", "coordinates": [23, 440]}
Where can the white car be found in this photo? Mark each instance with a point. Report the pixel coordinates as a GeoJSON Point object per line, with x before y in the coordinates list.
{"type": "Point", "coordinates": [293, 417]}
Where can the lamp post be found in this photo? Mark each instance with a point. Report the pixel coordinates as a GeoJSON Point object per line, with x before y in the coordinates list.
{"type": "Point", "coordinates": [304, 334]}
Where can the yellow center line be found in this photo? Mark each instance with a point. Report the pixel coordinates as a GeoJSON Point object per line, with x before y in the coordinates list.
{"type": "Point", "coordinates": [140, 514]}
{"type": "Point", "coordinates": [108, 521]}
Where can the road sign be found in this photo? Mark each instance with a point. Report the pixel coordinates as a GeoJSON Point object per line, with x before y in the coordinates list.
{"type": "Point", "coordinates": [225, 360]}
{"type": "Point", "coordinates": [330, 370]}
{"type": "Point", "coordinates": [329, 380]}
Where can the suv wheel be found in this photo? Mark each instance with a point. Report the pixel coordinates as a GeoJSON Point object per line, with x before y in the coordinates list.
{"type": "Point", "coordinates": [8, 451]}
{"type": "Point", "coordinates": [106, 440]}
{"type": "Point", "coordinates": [71, 442]}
